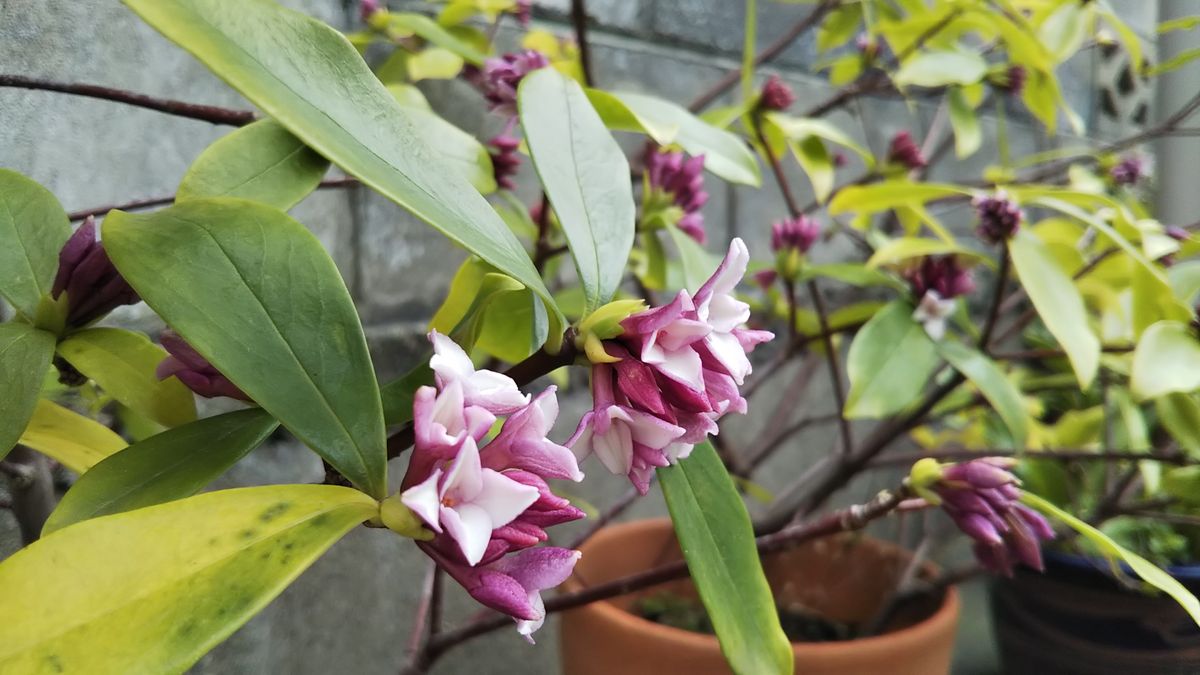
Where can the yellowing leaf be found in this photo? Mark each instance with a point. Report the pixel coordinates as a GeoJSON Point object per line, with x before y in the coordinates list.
{"type": "Point", "coordinates": [1167, 360]}
{"type": "Point", "coordinates": [152, 590]}
{"type": "Point", "coordinates": [78, 442]}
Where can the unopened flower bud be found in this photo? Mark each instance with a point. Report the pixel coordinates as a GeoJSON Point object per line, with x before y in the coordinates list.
{"type": "Point", "coordinates": [776, 95]}
{"type": "Point", "coordinates": [904, 152]}
{"type": "Point", "coordinates": [193, 370]}
{"type": "Point", "coordinates": [794, 234]}
{"type": "Point", "coordinates": [505, 160]}
{"type": "Point", "coordinates": [1010, 80]}
{"type": "Point", "coordinates": [999, 217]}
{"type": "Point", "coordinates": [93, 285]}
{"type": "Point", "coordinates": [502, 74]}
{"type": "Point", "coordinates": [1177, 233]}
{"type": "Point", "coordinates": [1129, 170]}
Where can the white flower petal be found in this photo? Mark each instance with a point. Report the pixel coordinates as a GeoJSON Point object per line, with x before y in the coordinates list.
{"type": "Point", "coordinates": [425, 500]}
{"type": "Point", "coordinates": [449, 361]}
{"type": "Point", "coordinates": [471, 527]}
{"type": "Point", "coordinates": [614, 448]}
{"type": "Point", "coordinates": [504, 498]}
{"type": "Point", "coordinates": [464, 480]}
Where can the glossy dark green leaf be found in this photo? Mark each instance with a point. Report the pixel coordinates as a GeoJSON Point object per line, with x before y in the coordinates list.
{"type": "Point", "coordinates": [585, 175]}
{"type": "Point", "coordinates": [717, 539]}
{"type": "Point", "coordinates": [262, 162]}
{"type": "Point", "coordinates": [33, 228]}
{"type": "Point", "coordinates": [461, 149]}
{"type": "Point", "coordinates": [24, 357]}
{"type": "Point", "coordinates": [889, 363]}
{"type": "Point", "coordinates": [123, 363]}
{"type": "Point", "coordinates": [999, 391]}
{"type": "Point", "coordinates": [172, 465]}
{"type": "Point", "coordinates": [310, 79]}
{"type": "Point", "coordinates": [254, 292]}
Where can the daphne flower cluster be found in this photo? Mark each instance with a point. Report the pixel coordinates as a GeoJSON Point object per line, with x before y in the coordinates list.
{"type": "Point", "coordinates": [982, 497]}
{"type": "Point", "coordinates": [93, 285]}
{"type": "Point", "coordinates": [502, 74]}
{"type": "Point", "coordinates": [776, 95]}
{"type": "Point", "coordinates": [936, 283]}
{"type": "Point", "coordinates": [488, 506]}
{"type": "Point", "coordinates": [672, 374]}
{"type": "Point", "coordinates": [679, 181]}
{"type": "Point", "coordinates": [794, 234]}
{"type": "Point", "coordinates": [1129, 170]}
{"type": "Point", "coordinates": [505, 160]}
{"type": "Point", "coordinates": [903, 152]}
{"type": "Point", "coordinates": [999, 217]}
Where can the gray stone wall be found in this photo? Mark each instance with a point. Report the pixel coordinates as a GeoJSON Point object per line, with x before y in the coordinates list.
{"type": "Point", "coordinates": [350, 612]}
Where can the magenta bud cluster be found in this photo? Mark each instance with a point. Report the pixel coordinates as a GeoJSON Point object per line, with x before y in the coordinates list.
{"type": "Point", "coordinates": [776, 95]}
{"type": "Point", "coordinates": [682, 178]}
{"type": "Point", "coordinates": [794, 234]}
{"type": "Point", "coordinates": [501, 75]}
{"type": "Point", "coordinates": [903, 151]}
{"type": "Point", "coordinates": [999, 217]}
{"type": "Point", "coordinates": [93, 285]}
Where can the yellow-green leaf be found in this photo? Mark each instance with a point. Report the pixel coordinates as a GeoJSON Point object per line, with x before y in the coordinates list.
{"type": "Point", "coordinates": [1114, 551]}
{"type": "Point", "coordinates": [1166, 360]}
{"type": "Point", "coordinates": [77, 442]}
{"type": "Point", "coordinates": [889, 194]}
{"type": "Point", "coordinates": [122, 363]}
{"type": "Point", "coordinates": [152, 590]}
{"type": "Point", "coordinates": [906, 248]}
{"type": "Point", "coordinates": [889, 363]}
{"type": "Point", "coordinates": [25, 354]}
{"type": "Point", "coordinates": [33, 228]}
{"type": "Point", "coordinates": [1058, 302]}
{"type": "Point", "coordinates": [999, 391]}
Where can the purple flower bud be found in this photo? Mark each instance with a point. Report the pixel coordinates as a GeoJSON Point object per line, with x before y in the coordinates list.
{"type": "Point", "coordinates": [982, 499]}
{"type": "Point", "coordinates": [193, 370]}
{"type": "Point", "coordinates": [682, 180]}
{"type": "Point", "coordinates": [367, 9]}
{"type": "Point", "coordinates": [794, 234]}
{"type": "Point", "coordinates": [93, 285]}
{"type": "Point", "coordinates": [1130, 170]}
{"type": "Point", "coordinates": [1177, 233]}
{"type": "Point", "coordinates": [505, 160]}
{"type": "Point", "coordinates": [942, 275]}
{"type": "Point", "coordinates": [502, 74]}
{"type": "Point", "coordinates": [766, 278]}
{"type": "Point", "coordinates": [1011, 81]}
{"type": "Point", "coordinates": [840, 159]}
{"type": "Point", "coordinates": [904, 152]}
{"type": "Point", "coordinates": [999, 217]}
{"type": "Point", "coordinates": [524, 11]}
{"type": "Point", "coordinates": [776, 95]}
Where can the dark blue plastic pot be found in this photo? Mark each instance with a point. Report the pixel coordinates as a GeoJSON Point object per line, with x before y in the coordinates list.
{"type": "Point", "coordinates": [1079, 619]}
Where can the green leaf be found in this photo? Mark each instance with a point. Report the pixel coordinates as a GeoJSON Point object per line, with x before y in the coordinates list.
{"type": "Point", "coordinates": [718, 542]}
{"type": "Point", "coordinates": [906, 248]}
{"type": "Point", "coordinates": [123, 364]}
{"type": "Point", "coordinates": [432, 63]}
{"type": "Point", "coordinates": [1113, 551]}
{"type": "Point", "coordinates": [458, 147]}
{"type": "Point", "coordinates": [803, 128]}
{"type": "Point", "coordinates": [999, 391]}
{"type": "Point", "coordinates": [1180, 415]}
{"type": "Point", "coordinates": [33, 228]}
{"type": "Point", "coordinates": [889, 194]}
{"type": "Point", "coordinates": [152, 590]}
{"type": "Point", "coordinates": [889, 363]}
{"type": "Point", "coordinates": [1184, 278]}
{"type": "Point", "coordinates": [695, 263]}
{"type": "Point", "coordinates": [261, 162]}
{"type": "Point", "coordinates": [725, 155]}
{"type": "Point", "coordinates": [1064, 30]}
{"type": "Point", "coordinates": [1166, 360]}
{"type": "Point", "coordinates": [585, 175]}
{"type": "Point", "coordinates": [618, 117]}
{"type": "Point", "coordinates": [253, 291]}
{"type": "Point", "coordinates": [941, 68]}
{"type": "Point", "coordinates": [25, 354]}
{"type": "Point", "coordinates": [854, 274]}
{"type": "Point", "coordinates": [1182, 23]}
{"type": "Point", "coordinates": [398, 394]}
{"type": "Point", "coordinates": [309, 78]}
{"type": "Point", "coordinates": [817, 163]}
{"type": "Point", "coordinates": [75, 441]}
{"type": "Point", "coordinates": [172, 465]}
{"type": "Point", "coordinates": [1058, 302]}
{"type": "Point", "coordinates": [967, 134]}
{"type": "Point", "coordinates": [428, 29]}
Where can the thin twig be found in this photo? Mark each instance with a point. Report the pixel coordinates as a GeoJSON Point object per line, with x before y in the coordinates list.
{"type": "Point", "coordinates": [579, 22]}
{"type": "Point", "coordinates": [206, 113]}
{"type": "Point", "coordinates": [730, 78]}
{"type": "Point", "coordinates": [985, 338]}
{"type": "Point", "coordinates": [139, 204]}
{"type": "Point", "coordinates": [1060, 454]}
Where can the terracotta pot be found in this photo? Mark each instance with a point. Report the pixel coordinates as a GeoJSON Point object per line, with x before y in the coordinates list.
{"type": "Point", "coordinates": [842, 578]}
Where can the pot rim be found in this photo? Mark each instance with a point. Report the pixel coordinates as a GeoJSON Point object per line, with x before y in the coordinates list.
{"type": "Point", "coordinates": [611, 613]}
{"type": "Point", "coordinates": [1185, 572]}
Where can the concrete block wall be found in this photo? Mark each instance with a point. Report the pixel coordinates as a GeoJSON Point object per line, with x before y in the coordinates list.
{"type": "Point", "coordinates": [350, 612]}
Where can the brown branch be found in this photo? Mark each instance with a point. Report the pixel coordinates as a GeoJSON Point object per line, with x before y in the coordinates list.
{"type": "Point", "coordinates": [205, 113]}
{"type": "Point", "coordinates": [844, 520]}
{"type": "Point", "coordinates": [139, 204]}
{"type": "Point", "coordinates": [579, 22]}
{"type": "Point", "coordinates": [1060, 454]}
{"type": "Point", "coordinates": [985, 338]}
{"type": "Point", "coordinates": [733, 76]}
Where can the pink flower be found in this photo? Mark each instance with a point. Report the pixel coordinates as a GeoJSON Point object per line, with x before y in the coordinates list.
{"type": "Point", "coordinates": [725, 348]}
{"type": "Point", "coordinates": [513, 585]}
{"type": "Point", "coordinates": [522, 442]}
{"type": "Point", "coordinates": [776, 95]}
{"type": "Point", "coordinates": [494, 392]}
{"type": "Point", "coordinates": [502, 74]}
{"type": "Point", "coordinates": [680, 182]}
{"type": "Point", "coordinates": [627, 441]}
{"type": "Point", "coordinates": [193, 370]}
